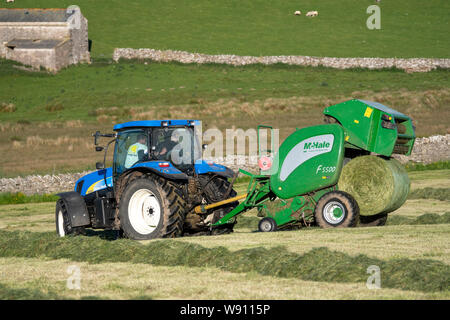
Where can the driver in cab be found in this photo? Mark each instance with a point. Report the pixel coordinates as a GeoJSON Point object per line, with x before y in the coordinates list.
{"type": "Point", "coordinates": [137, 152]}
{"type": "Point", "coordinates": [165, 145]}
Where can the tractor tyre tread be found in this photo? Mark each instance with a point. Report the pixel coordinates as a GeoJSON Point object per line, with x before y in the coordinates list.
{"type": "Point", "coordinates": [68, 229]}
{"type": "Point", "coordinates": [172, 206]}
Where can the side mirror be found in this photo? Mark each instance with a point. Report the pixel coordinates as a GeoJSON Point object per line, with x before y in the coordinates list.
{"type": "Point", "coordinates": [204, 146]}
{"type": "Point", "coordinates": [99, 166]}
{"type": "Point", "coordinates": [96, 135]}
{"type": "Point", "coordinates": [98, 149]}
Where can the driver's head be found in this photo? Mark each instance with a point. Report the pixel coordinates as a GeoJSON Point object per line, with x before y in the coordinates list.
{"type": "Point", "coordinates": [142, 138]}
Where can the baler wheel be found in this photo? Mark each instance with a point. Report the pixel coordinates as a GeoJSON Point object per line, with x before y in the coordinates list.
{"type": "Point", "coordinates": [267, 225]}
{"type": "Point", "coordinates": [336, 209]}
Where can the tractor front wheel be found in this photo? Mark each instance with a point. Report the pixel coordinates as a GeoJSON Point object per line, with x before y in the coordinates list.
{"type": "Point", "coordinates": [336, 209]}
{"type": "Point", "coordinates": [150, 210]}
{"type": "Point", "coordinates": [63, 227]}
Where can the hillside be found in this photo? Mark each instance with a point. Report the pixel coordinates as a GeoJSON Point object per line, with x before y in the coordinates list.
{"type": "Point", "coordinates": [409, 28]}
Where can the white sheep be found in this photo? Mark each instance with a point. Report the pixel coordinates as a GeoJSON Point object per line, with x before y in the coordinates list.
{"type": "Point", "coordinates": [312, 14]}
{"type": "Point", "coordinates": [298, 12]}
{"type": "Point", "coordinates": [9, 1]}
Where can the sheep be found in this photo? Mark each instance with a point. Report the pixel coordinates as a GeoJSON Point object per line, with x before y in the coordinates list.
{"type": "Point", "coordinates": [9, 1]}
{"type": "Point", "coordinates": [298, 12]}
{"type": "Point", "coordinates": [312, 14]}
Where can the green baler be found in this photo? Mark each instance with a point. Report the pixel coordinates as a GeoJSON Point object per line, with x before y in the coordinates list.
{"type": "Point", "coordinates": [303, 176]}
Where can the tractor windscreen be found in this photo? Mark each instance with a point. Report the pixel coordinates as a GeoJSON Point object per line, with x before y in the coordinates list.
{"type": "Point", "coordinates": [176, 145]}
{"type": "Point", "coordinates": [131, 148]}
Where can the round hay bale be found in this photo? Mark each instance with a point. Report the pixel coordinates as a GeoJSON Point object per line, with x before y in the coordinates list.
{"type": "Point", "coordinates": [378, 185]}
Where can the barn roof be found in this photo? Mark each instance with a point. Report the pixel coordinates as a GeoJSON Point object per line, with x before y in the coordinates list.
{"type": "Point", "coordinates": [34, 15]}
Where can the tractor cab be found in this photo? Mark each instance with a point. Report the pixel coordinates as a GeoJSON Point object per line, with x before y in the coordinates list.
{"type": "Point", "coordinates": [157, 144]}
{"type": "Point", "coordinates": [168, 148]}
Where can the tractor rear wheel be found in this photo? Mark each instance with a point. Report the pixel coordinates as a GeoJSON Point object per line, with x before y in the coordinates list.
{"type": "Point", "coordinates": [373, 221]}
{"type": "Point", "coordinates": [336, 209]}
{"type": "Point", "coordinates": [221, 187]}
{"type": "Point", "coordinates": [215, 189]}
{"type": "Point", "coordinates": [149, 209]}
{"type": "Point", "coordinates": [63, 227]}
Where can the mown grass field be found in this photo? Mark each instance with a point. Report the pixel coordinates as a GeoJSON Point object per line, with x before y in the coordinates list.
{"type": "Point", "coordinates": [411, 250]}
{"type": "Point", "coordinates": [409, 28]}
{"type": "Point", "coordinates": [46, 123]}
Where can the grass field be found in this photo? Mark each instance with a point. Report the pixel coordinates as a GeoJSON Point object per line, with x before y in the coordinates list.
{"type": "Point", "coordinates": [409, 28]}
{"type": "Point", "coordinates": [46, 123]}
{"type": "Point", "coordinates": [170, 89]}
{"type": "Point", "coordinates": [411, 250]}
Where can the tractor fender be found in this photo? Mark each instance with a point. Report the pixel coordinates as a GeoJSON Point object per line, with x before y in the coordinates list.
{"type": "Point", "coordinates": [76, 208]}
{"type": "Point", "coordinates": [169, 176]}
{"type": "Point", "coordinates": [228, 173]}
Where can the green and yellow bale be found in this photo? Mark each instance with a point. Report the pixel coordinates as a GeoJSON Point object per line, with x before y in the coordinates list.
{"type": "Point", "coordinates": [378, 185]}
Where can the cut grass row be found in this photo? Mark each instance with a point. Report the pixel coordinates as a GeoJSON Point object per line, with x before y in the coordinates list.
{"type": "Point", "coordinates": [318, 264]}
{"type": "Point", "coordinates": [9, 293]}
{"type": "Point", "coordinates": [442, 194]}
{"type": "Point", "coordinates": [439, 165]}
{"type": "Point", "coordinates": [427, 218]}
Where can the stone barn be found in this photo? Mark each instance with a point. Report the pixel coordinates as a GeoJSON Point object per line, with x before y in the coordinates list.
{"type": "Point", "coordinates": [49, 38]}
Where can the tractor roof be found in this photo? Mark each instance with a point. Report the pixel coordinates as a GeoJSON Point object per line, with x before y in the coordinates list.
{"type": "Point", "coordinates": [155, 123]}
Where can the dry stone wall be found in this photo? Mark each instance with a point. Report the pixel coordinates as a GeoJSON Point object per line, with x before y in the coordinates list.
{"type": "Point", "coordinates": [409, 65]}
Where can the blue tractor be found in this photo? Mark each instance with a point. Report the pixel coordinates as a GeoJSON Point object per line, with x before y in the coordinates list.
{"type": "Point", "coordinates": [157, 179]}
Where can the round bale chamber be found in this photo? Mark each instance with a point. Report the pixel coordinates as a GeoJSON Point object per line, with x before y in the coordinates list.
{"type": "Point", "coordinates": [308, 160]}
{"type": "Point", "coordinates": [378, 184]}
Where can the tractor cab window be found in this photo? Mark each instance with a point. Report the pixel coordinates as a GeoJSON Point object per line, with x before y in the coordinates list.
{"type": "Point", "coordinates": [175, 145]}
{"type": "Point", "coordinates": [131, 148]}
